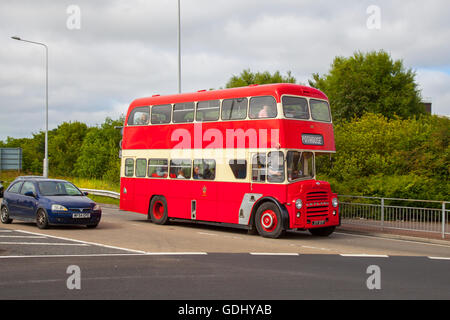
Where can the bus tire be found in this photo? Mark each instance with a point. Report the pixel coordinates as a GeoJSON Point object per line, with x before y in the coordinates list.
{"type": "Point", "coordinates": [322, 232]}
{"type": "Point", "coordinates": [158, 210]}
{"type": "Point", "coordinates": [268, 221]}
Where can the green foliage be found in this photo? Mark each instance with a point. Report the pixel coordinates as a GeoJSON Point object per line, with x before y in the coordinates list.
{"type": "Point", "coordinates": [74, 150]}
{"type": "Point", "coordinates": [64, 147]}
{"type": "Point", "coordinates": [370, 82]}
{"type": "Point", "coordinates": [377, 156]}
{"type": "Point", "coordinates": [247, 78]}
{"type": "Point", "coordinates": [99, 154]}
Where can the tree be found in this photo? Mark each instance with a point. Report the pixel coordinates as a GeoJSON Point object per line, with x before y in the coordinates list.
{"type": "Point", "coordinates": [370, 82]}
{"type": "Point", "coordinates": [247, 78]}
{"type": "Point", "coordinates": [99, 153]}
{"type": "Point", "coordinates": [64, 147]}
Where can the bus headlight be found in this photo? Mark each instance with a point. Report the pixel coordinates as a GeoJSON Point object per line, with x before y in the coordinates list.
{"type": "Point", "coordinates": [334, 202]}
{"type": "Point", "coordinates": [298, 204]}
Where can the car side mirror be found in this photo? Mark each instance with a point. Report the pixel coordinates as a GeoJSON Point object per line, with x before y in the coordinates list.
{"type": "Point", "coordinates": [30, 194]}
{"type": "Point", "coordinates": [85, 193]}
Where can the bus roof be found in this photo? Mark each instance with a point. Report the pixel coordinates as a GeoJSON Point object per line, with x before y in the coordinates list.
{"type": "Point", "coordinates": [276, 90]}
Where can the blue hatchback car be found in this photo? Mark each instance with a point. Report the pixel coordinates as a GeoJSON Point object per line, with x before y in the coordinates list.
{"type": "Point", "coordinates": [48, 202]}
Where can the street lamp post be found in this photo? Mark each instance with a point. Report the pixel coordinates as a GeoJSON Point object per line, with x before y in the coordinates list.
{"type": "Point", "coordinates": [45, 173]}
{"type": "Point", "coordinates": [179, 48]}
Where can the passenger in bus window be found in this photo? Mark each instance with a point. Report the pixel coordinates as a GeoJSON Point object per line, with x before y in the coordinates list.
{"type": "Point", "coordinates": [143, 119]}
{"type": "Point", "coordinates": [196, 174]}
{"type": "Point", "coordinates": [266, 112]}
{"type": "Point", "coordinates": [181, 174]}
{"type": "Point", "coordinates": [207, 173]}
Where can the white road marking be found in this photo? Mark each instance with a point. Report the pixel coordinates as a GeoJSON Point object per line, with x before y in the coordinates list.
{"type": "Point", "coordinates": [85, 242]}
{"type": "Point", "coordinates": [439, 258]}
{"type": "Point", "coordinates": [207, 234]}
{"type": "Point", "coordinates": [138, 252]}
{"type": "Point", "coordinates": [364, 255]}
{"type": "Point", "coordinates": [25, 237]}
{"type": "Point", "coordinates": [46, 244]}
{"type": "Point", "coordinates": [390, 239]}
{"type": "Point", "coordinates": [273, 254]}
{"type": "Point", "coordinates": [308, 247]}
{"type": "Point", "coordinates": [103, 255]}
{"type": "Point", "coordinates": [5, 231]}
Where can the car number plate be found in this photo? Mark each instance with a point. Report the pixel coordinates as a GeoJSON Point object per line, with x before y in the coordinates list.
{"type": "Point", "coordinates": [318, 223]}
{"type": "Point", "coordinates": [81, 215]}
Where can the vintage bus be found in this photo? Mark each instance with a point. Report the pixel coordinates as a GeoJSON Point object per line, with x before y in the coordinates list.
{"type": "Point", "coordinates": [242, 157]}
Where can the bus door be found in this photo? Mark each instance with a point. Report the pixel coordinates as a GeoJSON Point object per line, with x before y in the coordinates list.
{"type": "Point", "coordinates": [204, 191]}
{"type": "Point", "coordinates": [127, 185]}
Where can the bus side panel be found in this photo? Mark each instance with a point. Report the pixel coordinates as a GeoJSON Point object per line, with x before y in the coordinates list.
{"type": "Point", "coordinates": [127, 194]}
{"type": "Point", "coordinates": [205, 194]}
{"type": "Point", "coordinates": [230, 197]}
{"type": "Point", "coordinates": [178, 194]}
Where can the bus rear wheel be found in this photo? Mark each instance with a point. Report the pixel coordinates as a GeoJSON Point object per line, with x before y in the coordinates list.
{"type": "Point", "coordinates": [158, 210]}
{"type": "Point", "coordinates": [268, 221]}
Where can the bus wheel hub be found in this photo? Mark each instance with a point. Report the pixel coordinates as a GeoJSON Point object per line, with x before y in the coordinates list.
{"type": "Point", "coordinates": [268, 220]}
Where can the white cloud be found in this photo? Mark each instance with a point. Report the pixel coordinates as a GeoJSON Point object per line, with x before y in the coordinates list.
{"type": "Point", "coordinates": [128, 49]}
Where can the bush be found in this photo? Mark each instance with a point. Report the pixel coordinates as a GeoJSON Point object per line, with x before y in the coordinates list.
{"type": "Point", "coordinates": [396, 158]}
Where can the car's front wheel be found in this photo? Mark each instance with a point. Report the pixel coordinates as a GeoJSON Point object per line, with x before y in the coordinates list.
{"type": "Point", "coordinates": [42, 219]}
{"type": "Point", "coordinates": [4, 215]}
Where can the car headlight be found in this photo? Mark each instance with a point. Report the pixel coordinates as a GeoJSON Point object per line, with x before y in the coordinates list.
{"type": "Point", "coordinates": [58, 207]}
{"type": "Point", "coordinates": [298, 204]}
{"type": "Point", "coordinates": [334, 202]}
{"type": "Point", "coordinates": [97, 208]}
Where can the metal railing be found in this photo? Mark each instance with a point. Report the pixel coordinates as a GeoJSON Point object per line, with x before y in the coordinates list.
{"type": "Point", "coordinates": [383, 213]}
{"type": "Point", "coordinates": [393, 213]}
{"type": "Point", "coordinates": [103, 193]}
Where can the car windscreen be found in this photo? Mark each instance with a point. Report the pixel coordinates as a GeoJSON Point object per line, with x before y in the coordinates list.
{"type": "Point", "coordinates": [58, 188]}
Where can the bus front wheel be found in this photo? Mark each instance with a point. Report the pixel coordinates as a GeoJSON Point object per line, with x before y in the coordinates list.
{"type": "Point", "coordinates": [268, 221]}
{"type": "Point", "coordinates": [158, 210]}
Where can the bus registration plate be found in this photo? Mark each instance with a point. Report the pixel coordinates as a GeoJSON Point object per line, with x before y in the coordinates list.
{"type": "Point", "coordinates": [318, 223]}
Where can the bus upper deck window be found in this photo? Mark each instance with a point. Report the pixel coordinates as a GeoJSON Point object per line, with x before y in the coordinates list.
{"type": "Point", "coordinates": [320, 110]}
{"type": "Point", "coordinates": [161, 114]}
{"type": "Point", "coordinates": [295, 107]}
{"type": "Point", "coordinates": [263, 107]}
{"type": "Point", "coordinates": [183, 112]}
{"type": "Point", "coordinates": [139, 116]}
{"type": "Point", "coordinates": [208, 110]}
{"type": "Point", "coordinates": [234, 109]}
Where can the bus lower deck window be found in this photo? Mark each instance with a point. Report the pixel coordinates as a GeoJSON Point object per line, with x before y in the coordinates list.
{"type": "Point", "coordinates": [157, 168]}
{"type": "Point", "coordinates": [180, 169]}
{"type": "Point", "coordinates": [204, 169]}
{"type": "Point", "coordinates": [129, 167]}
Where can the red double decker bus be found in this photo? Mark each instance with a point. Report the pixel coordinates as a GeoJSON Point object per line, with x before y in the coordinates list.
{"type": "Point", "coordinates": [242, 157]}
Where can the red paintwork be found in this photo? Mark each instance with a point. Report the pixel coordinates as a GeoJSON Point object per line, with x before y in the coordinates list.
{"type": "Point", "coordinates": [222, 200]}
{"type": "Point", "coordinates": [221, 134]}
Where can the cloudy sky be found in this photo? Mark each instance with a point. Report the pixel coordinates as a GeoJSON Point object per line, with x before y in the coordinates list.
{"type": "Point", "coordinates": [104, 54]}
